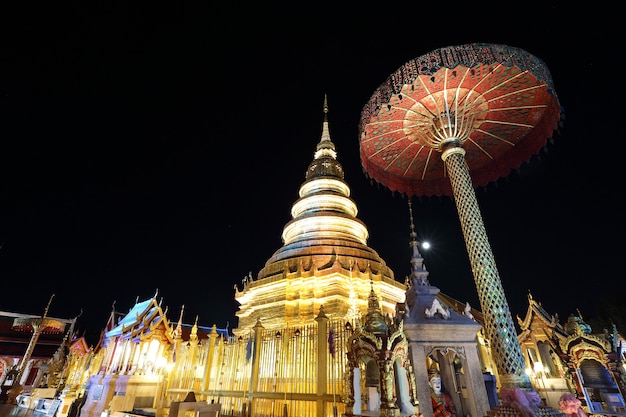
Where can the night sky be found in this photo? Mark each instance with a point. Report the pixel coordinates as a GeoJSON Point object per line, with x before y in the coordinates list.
{"type": "Point", "coordinates": [151, 148]}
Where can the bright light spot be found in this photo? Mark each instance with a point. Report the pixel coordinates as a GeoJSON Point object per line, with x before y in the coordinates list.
{"type": "Point", "coordinates": [425, 245]}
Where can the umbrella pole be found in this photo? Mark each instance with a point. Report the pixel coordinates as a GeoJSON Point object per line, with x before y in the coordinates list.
{"type": "Point", "coordinates": [498, 321]}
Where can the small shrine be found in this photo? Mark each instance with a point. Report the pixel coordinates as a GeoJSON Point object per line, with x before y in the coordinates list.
{"type": "Point", "coordinates": [379, 370]}
{"type": "Point", "coordinates": [443, 342]}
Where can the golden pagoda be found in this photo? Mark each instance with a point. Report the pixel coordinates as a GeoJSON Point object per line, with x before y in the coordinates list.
{"type": "Point", "coordinates": [324, 260]}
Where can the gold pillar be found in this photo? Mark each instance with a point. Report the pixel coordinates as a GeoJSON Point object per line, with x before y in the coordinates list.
{"type": "Point", "coordinates": [254, 377]}
{"type": "Point", "coordinates": [322, 363]}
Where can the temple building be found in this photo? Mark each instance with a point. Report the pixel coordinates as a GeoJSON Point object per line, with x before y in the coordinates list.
{"type": "Point", "coordinates": [569, 357]}
{"type": "Point", "coordinates": [326, 329]}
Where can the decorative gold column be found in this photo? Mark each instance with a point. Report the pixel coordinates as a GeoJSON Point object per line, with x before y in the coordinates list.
{"type": "Point", "coordinates": [322, 352]}
{"type": "Point", "coordinates": [254, 377]}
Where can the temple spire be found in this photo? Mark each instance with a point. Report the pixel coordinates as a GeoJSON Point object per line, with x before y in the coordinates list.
{"type": "Point", "coordinates": [178, 330]}
{"type": "Point", "coordinates": [374, 320]}
{"type": "Point", "coordinates": [419, 274]}
{"type": "Point", "coordinates": [325, 130]}
{"type": "Point", "coordinates": [326, 147]}
{"type": "Point", "coordinates": [45, 313]}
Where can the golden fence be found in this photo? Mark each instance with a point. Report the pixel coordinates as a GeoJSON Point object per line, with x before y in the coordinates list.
{"type": "Point", "coordinates": [294, 371]}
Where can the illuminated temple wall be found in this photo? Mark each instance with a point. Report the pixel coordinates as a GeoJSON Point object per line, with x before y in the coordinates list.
{"type": "Point", "coordinates": [257, 373]}
{"type": "Point", "coordinates": [294, 298]}
{"type": "Point", "coordinates": [289, 365]}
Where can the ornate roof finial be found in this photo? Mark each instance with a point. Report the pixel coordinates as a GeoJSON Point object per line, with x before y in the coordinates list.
{"type": "Point", "coordinates": [353, 312]}
{"type": "Point", "coordinates": [178, 331]}
{"type": "Point", "coordinates": [419, 274]}
{"type": "Point", "coordinates": [321, 313]}
{"type": "Point", "coordinates": [325, 162]}
{"type": "Point", "coordinates": [194, 331]}
{"type": "Point", "coordinates": [45, 312]}
{"type": "Point", "coordinates": [325, 142]}
{"type": "Point", "coordinates": [374, 320]}
{"type": "Point", "coordinates": [372, 301]}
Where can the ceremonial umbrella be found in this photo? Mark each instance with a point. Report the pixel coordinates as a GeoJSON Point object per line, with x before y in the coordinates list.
{"type": "Point", "coordinates": [37, 325]}
{"type": "Point", "coordinates": [495, 101]}
{"type": "Point", "coordinates": [450, 120]}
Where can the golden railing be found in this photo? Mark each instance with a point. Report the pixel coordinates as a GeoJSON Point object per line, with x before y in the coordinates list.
{"type": "Point", "coordinates": [268, 372]}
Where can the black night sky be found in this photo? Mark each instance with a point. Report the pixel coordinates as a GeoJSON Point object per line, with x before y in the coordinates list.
{"type": "Point", "coordinates": [155, 147]}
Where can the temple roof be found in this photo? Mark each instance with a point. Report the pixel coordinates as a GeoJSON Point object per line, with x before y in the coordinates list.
{"type": "Point", "coordinates": [144, 320]}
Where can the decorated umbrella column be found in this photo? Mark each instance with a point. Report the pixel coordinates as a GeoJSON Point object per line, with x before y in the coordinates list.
{"type": "Point", "coordinates": [36, 325]}
{"type": "Point", "coordinates": [451, 120]}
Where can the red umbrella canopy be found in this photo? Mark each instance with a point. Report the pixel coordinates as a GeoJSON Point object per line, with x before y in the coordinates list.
{"type": "Point", "coordinates": [45, 324]}
{"type": "Point", "coordinates": [495, 101]}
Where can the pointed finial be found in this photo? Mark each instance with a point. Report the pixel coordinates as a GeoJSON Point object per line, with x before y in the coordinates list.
{"type": "Point", "coordinates": [419, 275]}
{"type": "Point", "coordinates": [411, 224]}
{"type": "Point", "coordinates": [325, 141]}
{"type": "Point", "coordinates": [194, 331]}
{"type": "Point", "coordinates": [372, 303]}
{"type": "Point", "coordinates": [45, 313]}
{"type": "Point", "coordinates": [321, 314]}
{"type": "Point", "coordinates": [325, 162]}
{"type": "Point", "coordinates": [178, 330]}
{"type": "Point", "coordinates": [182, 310]}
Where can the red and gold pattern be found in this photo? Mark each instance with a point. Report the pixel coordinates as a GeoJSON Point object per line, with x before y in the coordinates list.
{"type": "Point", "coordinates": [501, 111]}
